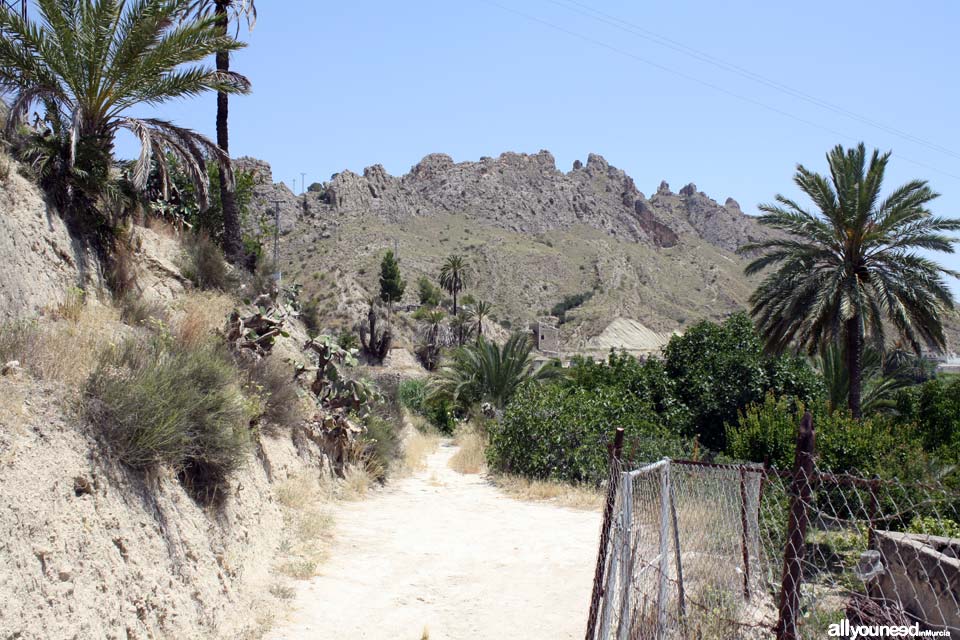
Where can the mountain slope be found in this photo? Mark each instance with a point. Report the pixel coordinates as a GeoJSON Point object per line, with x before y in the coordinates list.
{"type": "Point", "coordinates": [532, 235]}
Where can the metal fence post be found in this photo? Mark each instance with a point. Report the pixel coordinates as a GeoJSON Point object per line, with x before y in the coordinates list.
{"type": "Point", "coordinates": [744, 546]}
{"type": "Point", "coordinates": [616, 451]}
{"type": "Point", "coordinates": [626, 560]}
{"type": "Point", "coordinates": [796, 532]}
{"type": "Point", "coordinates": [664, 549]}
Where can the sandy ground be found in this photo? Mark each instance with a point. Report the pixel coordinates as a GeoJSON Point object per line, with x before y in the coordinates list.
{"type": "Point", "coordinates": [452, 554]}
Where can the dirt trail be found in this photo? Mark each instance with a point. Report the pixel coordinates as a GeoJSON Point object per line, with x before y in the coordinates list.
{"type": "Point", "coordinates": [453, 554]}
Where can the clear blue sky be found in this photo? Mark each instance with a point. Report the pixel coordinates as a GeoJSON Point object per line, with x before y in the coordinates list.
{"type": "Point", "coordinates": [349, 84]}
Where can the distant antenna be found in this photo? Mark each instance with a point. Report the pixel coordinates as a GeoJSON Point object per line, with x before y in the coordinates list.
{"type": "Point", "coordinates": [303, 182]}
{"type": "Point", "coordinates": [12, 6]}
{"type": "Point", "coordinates": [276, 242]}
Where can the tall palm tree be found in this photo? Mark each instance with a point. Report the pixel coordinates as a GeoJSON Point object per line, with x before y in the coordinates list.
{"type": "Point", "coordinates": [844, 272]}
{"type": "Point", "coordinates": [225, 12]}
{"type": "Point", "coordinates": [484, 371]}
{"type": "Point", "coordinates": [462, 327]}
{"type": "Point", "coordinates": [479, 312]}
{"type": "Point", "coordinates": [453, 277]}
{"type": "Point", "coordinates": [88, 63]}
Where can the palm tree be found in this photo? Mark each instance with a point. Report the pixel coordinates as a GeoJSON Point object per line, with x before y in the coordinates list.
{"type": "Point", "coordinates": [486, 372]}
{"type": "Point", "coordinates": [224, 12]}
{"type": "Point", "coordinates": [453, 277]}
{"type": "Point", "coordinates": [429, 349]}
{"type": "Point", "coordinates": [879, 387]}
{"type": "Point", "coordinates": [89, 63]}
{"type": "Point", "coordinates": [462, 327]}
{"type": "Point", "coordinates": [479, 312]}
{"type": "Point", "coordinates": [846, 271]}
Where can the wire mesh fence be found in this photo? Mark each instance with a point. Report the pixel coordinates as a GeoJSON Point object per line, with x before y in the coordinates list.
{"type": "Point", "coordinates": [699, 550]}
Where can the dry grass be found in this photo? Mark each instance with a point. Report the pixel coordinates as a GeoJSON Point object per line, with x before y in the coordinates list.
{"type": "Point", "coordinates": [65, 347]}
{"type": "Point", "coordinates": [559, 493]}
{"type": "Point", "coordinates": [306, 500]}
{"type": "Point", "coordinates": [357, 481]}
{"type": "Point", "coordinates": [422, 441]}
{"type": "Point", "coordinates": [470, 458]}
{"type": "Point", "coordinates": [200, 314]}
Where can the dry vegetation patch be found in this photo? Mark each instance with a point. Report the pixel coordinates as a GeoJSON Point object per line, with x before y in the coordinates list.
{"type": "Point", "coordinates": [306, 502]}
{"type": "Point", "coordinates": [560, 493]}
{"type": "Point", "coordinates": [471, 456]}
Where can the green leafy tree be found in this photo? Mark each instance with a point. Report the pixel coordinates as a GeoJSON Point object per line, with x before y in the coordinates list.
{"type": "Point", "coordinates": [89, 64]}
{"type": "Point", "coordinates": [486, 372]}
{"type": "Point", "coordinates": [453, 277]}
{"type": "Point", "coordinates": [224, 12]}
{"type": "Point", "coordinates": [719, 369]}
{"type": "Point", "coordinates": [428, 293]}
{"type": "Point", "coordinates": [849, 270]}
{"type": "Point", "coordinates": [556, 432]}
{"type": "Point", "coordinates": [392, 285]}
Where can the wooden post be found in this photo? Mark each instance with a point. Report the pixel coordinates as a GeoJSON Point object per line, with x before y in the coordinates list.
{"type": "Point", "coordinates": [626, 557]}
{"type": "Point", "coordinates": [796, 532]}
{"type": "Point", "coordinates": [615, 452]}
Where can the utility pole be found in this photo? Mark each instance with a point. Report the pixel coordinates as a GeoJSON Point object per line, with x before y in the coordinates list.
{"type": "Point", "coordinates": [276, 242]}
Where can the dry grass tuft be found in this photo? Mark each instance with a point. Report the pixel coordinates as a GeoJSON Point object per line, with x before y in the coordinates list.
{"type": "Point", "coordinates": [418, 445]}
{"type": "Point", "coordinates": [200, 314]}
{"type": "Point", "coordinates": [305, 499]}
{"type": "Point", "coordinates": [560, 493]}
{"type": "Point", "coordinates": [357, 481]}
{"type": "Point", "coordinates": [63, 349]}
{"type": "Point", "coordinates": [471, 457]}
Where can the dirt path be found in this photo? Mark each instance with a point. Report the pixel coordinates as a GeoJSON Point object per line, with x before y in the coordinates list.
{"type": "Point", "coordinates": [450, 553]}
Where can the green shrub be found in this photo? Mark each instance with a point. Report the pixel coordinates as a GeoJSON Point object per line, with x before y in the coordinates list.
{"type": "Point", "coordinates": [569, 302]}
{"type": "Point", "coordinates": [204, 265]}
{"type": "Point", "coordinates": [872, 446]}
{"type": "Point", "coordinates": [310, 315]}
{"type": "Point", "coordinates": [552, 431]}
{"type": "Point", "coordinates": [155, 403]}
{"type": "Point", "coordinates": [934, 407]}
{"type": "Point", "coordinates": [382, 443]}
{"type": "Point", "coordinates": [439, 412]}
{"type": "Point", "coordinates": [428, 293]}
{"type": "Point", "coordinates": [935, 527]}
{"type": "Point", "coordinates": [719, 369]}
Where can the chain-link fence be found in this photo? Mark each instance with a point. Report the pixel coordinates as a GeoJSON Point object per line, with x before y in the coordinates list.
{"type": "Point", "coordinates": [699, 550]}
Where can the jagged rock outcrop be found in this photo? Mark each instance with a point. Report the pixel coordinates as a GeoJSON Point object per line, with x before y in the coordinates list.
{"type": "Point", "coordinates": [523, 193]}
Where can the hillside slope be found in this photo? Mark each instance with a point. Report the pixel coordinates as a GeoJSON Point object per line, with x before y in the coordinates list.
{"type": "Point", "coordinates": [532, 235]}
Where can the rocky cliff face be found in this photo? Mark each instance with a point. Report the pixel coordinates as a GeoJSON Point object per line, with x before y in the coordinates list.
{"type": "Point", "coordinates": [528, 194]}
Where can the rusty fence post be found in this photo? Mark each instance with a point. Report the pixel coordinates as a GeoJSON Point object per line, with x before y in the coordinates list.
{"type": "Point", "coordinates": [796, 532]}
{"type": "Point", "coordinates": [616, 451]}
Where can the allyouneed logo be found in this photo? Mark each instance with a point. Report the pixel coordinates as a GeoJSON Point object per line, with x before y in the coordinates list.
{"type": "Point", "coordinates": [844, 629]}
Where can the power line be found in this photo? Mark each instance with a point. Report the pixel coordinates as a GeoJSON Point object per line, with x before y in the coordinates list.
{"type": "Point", "coordinates": [686, 76]}
{"type": "Point", "coordinates": [619, 23]}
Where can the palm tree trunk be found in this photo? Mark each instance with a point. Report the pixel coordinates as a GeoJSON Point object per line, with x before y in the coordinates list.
{"type": "Point", "coordinates": [232, 243]}
{"type": "Point", "coordinates": [454, 300]}
{"type": "Point", "coordinates": [854, 353]}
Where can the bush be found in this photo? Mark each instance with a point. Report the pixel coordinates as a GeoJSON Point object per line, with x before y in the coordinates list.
{"type": "Point", "coordinates": [555, 432]}
{"type": "Point", "coordinates": [204, 265]}
{"type": "Point", "coordinates": [155, 403]}
{"type": "Point", "coordinates": [934, 407]}
{"type": "Point", "coordinates": [569, 302]}
{"type": "Point", "coordinates": [310, 315]}
{"type": "Point", "coordinates": [382, 444]}
{"type": "Point", "coordinates": [719, 369]}
{"type": "Point", "coordinates": [871, 446]}
{"type": "Point", "coordinates": [412, 394]}
{"type": "Point", "coordinates": [428, 293]}
{"type": "Point", "coordinates": [273, 382]}
{"type": "Point", "coordinates": [135, 310]}
{"type": "Point", "coordinates": [929, 526]}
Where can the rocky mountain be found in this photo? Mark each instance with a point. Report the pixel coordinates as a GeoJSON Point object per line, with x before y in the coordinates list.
{"type": "Point", "coordinates": [532, 234]}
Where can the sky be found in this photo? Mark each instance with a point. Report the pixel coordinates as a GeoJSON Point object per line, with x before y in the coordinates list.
{"type": "Point", "coordinates": [728, 95]}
